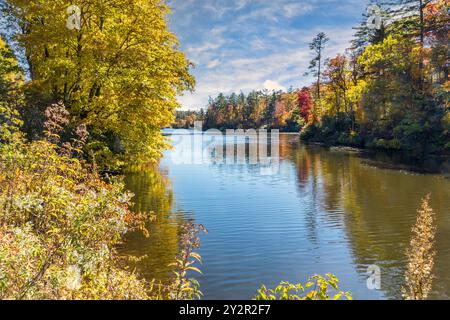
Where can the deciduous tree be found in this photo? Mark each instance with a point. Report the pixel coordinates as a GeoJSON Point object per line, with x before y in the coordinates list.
{"type": "Point", "coordinates": [119, 73]}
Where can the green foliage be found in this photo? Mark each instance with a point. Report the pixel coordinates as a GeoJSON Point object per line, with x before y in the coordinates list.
{"type": "Point", "coordinates": [316, 288]}
{"type": "Point", "coordinates": [184, 288]}
{"type": "Point", "coordinates": [9, 124]}
{"type": "Point", "coordinates": [333, 130]}
{"type": "Point", "coordinates": [10, 73]}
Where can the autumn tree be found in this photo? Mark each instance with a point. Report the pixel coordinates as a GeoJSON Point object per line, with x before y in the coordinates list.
{"type": "Point", "coordinates": [269, 113]}
{"type": "Point", "coordinates": [118, 72]}
{"type": "Point", "coordinates": [10, 72]}
{"type": "Point", "coordinates": [437, 22]}
{"type": "Point", "coordinates": [384, 66]}
{"type": "Point", "coordinates": [409, 18]}
{"type": "Point", "coordinates": [339, 77]}
{"type": "Point", "coordinates": [305, 104]}
{"type": "Point", "coordinates": [257, 109]}
{"type": "Point", "coordinates": [11, 79]}
{"type": "Point", "coordinates": [315, 67]}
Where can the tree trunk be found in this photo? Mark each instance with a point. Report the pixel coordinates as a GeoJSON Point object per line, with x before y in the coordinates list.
{"type": "Point", "coordinates": [422, 40]}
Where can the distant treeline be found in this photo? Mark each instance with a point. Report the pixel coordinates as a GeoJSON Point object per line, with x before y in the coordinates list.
{"type": "Point", "coordinates": [390, 90]}
{"type": "Point", "coordinates": [258, 109]}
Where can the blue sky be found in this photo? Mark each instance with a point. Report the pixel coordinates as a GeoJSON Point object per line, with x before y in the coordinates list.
{"type": "Point", "coordinates": [256, 44]}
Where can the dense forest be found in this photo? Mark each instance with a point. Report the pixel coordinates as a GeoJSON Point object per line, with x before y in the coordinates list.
{"type": "Point", "coordinates": [389, 90]}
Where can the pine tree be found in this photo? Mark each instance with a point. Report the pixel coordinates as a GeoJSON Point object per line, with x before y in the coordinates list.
{"type": "Point", "coordinates": [407, 17]}
{"type": "Point", "coordinates": [315, 66]}
{"type": "Point", "coordinates": [269, 113]}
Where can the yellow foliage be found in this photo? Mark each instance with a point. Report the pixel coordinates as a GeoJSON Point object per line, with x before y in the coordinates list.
{"type": "Point", "coordinates": [120, 73]}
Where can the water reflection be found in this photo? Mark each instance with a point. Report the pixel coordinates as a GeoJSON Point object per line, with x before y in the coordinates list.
{"type": "Point", "coordinates": [153, 194]}
{"type": "Point", "coordinates": [378, 208]}
{"type": "Point", "coordinates": [324, 211]}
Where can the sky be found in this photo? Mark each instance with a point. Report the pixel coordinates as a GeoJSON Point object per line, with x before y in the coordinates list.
{"type": "Point", "coordinates": [245, 45]}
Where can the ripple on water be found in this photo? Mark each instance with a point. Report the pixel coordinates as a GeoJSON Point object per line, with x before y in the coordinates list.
{"type": "Point", "coordinates": [321, 212]}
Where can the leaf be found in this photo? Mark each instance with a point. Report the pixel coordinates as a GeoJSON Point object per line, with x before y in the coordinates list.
{"type": "Point", "coordinates": [194, 269]}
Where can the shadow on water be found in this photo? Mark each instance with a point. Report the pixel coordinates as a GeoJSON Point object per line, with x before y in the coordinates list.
{"type": "Point", "coordinates": [404, 161]}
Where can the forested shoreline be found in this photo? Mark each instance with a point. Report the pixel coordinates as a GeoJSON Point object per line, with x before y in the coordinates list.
{"type": "Point", "coordinates": [389, 90]}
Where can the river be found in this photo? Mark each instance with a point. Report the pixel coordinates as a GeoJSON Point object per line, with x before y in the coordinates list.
{"type": "Point", "coordinates": [320, 211]}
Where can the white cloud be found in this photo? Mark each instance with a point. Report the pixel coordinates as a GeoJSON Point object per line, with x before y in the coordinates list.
{"type": "Point", "coordinates": [245, 45]}
{"type": "Point", "coordinates": [258, 44]}
{"type": "Point", "coordinates": [296, 9]}
{"type": "Point", "coordinates": [273, 86]}
{"type": "Point", "coordinates": [203, 48]}
{"type": "Point", "coordinates": [213, 64]}
{"type": "Point", "coordinates": [218, 31]}
{"type": "Point", "coordinates": [272, 70]}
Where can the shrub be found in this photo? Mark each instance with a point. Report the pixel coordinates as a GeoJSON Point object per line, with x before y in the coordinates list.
{"type": "Point", "coordinates": [393, 144]}
{"type": "Point", "coordinates": [316, 288]}
{"type": "Point", "coordinates": [309, 132]}
{"type": "Point", "coordinates": [184, 288]}
{"type": "Point", "coordinates": [419, 272]}
{"type": "Point", "coordinates": [59, 223]}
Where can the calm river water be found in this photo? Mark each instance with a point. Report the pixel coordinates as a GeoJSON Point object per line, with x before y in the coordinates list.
{"type": "Point", "coordinates": [322, 210]}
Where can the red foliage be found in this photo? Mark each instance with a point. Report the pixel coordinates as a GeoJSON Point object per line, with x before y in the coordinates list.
{"type": "Point", "coordinates": [305, 103]}
{"type": "Point", "coordinates": [435, 8]}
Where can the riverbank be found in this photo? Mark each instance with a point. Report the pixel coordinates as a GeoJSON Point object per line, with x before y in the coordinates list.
{"type": "Point", "coordinates": [323, 135]}
{"type": "Point", "coordinates": [393, 159]}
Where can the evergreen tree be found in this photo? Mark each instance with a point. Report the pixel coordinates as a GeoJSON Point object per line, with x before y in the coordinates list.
{"type": "Point", "coordinates": [315, 67]}
{"type": "Point", "coordinates": [269, 113]}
